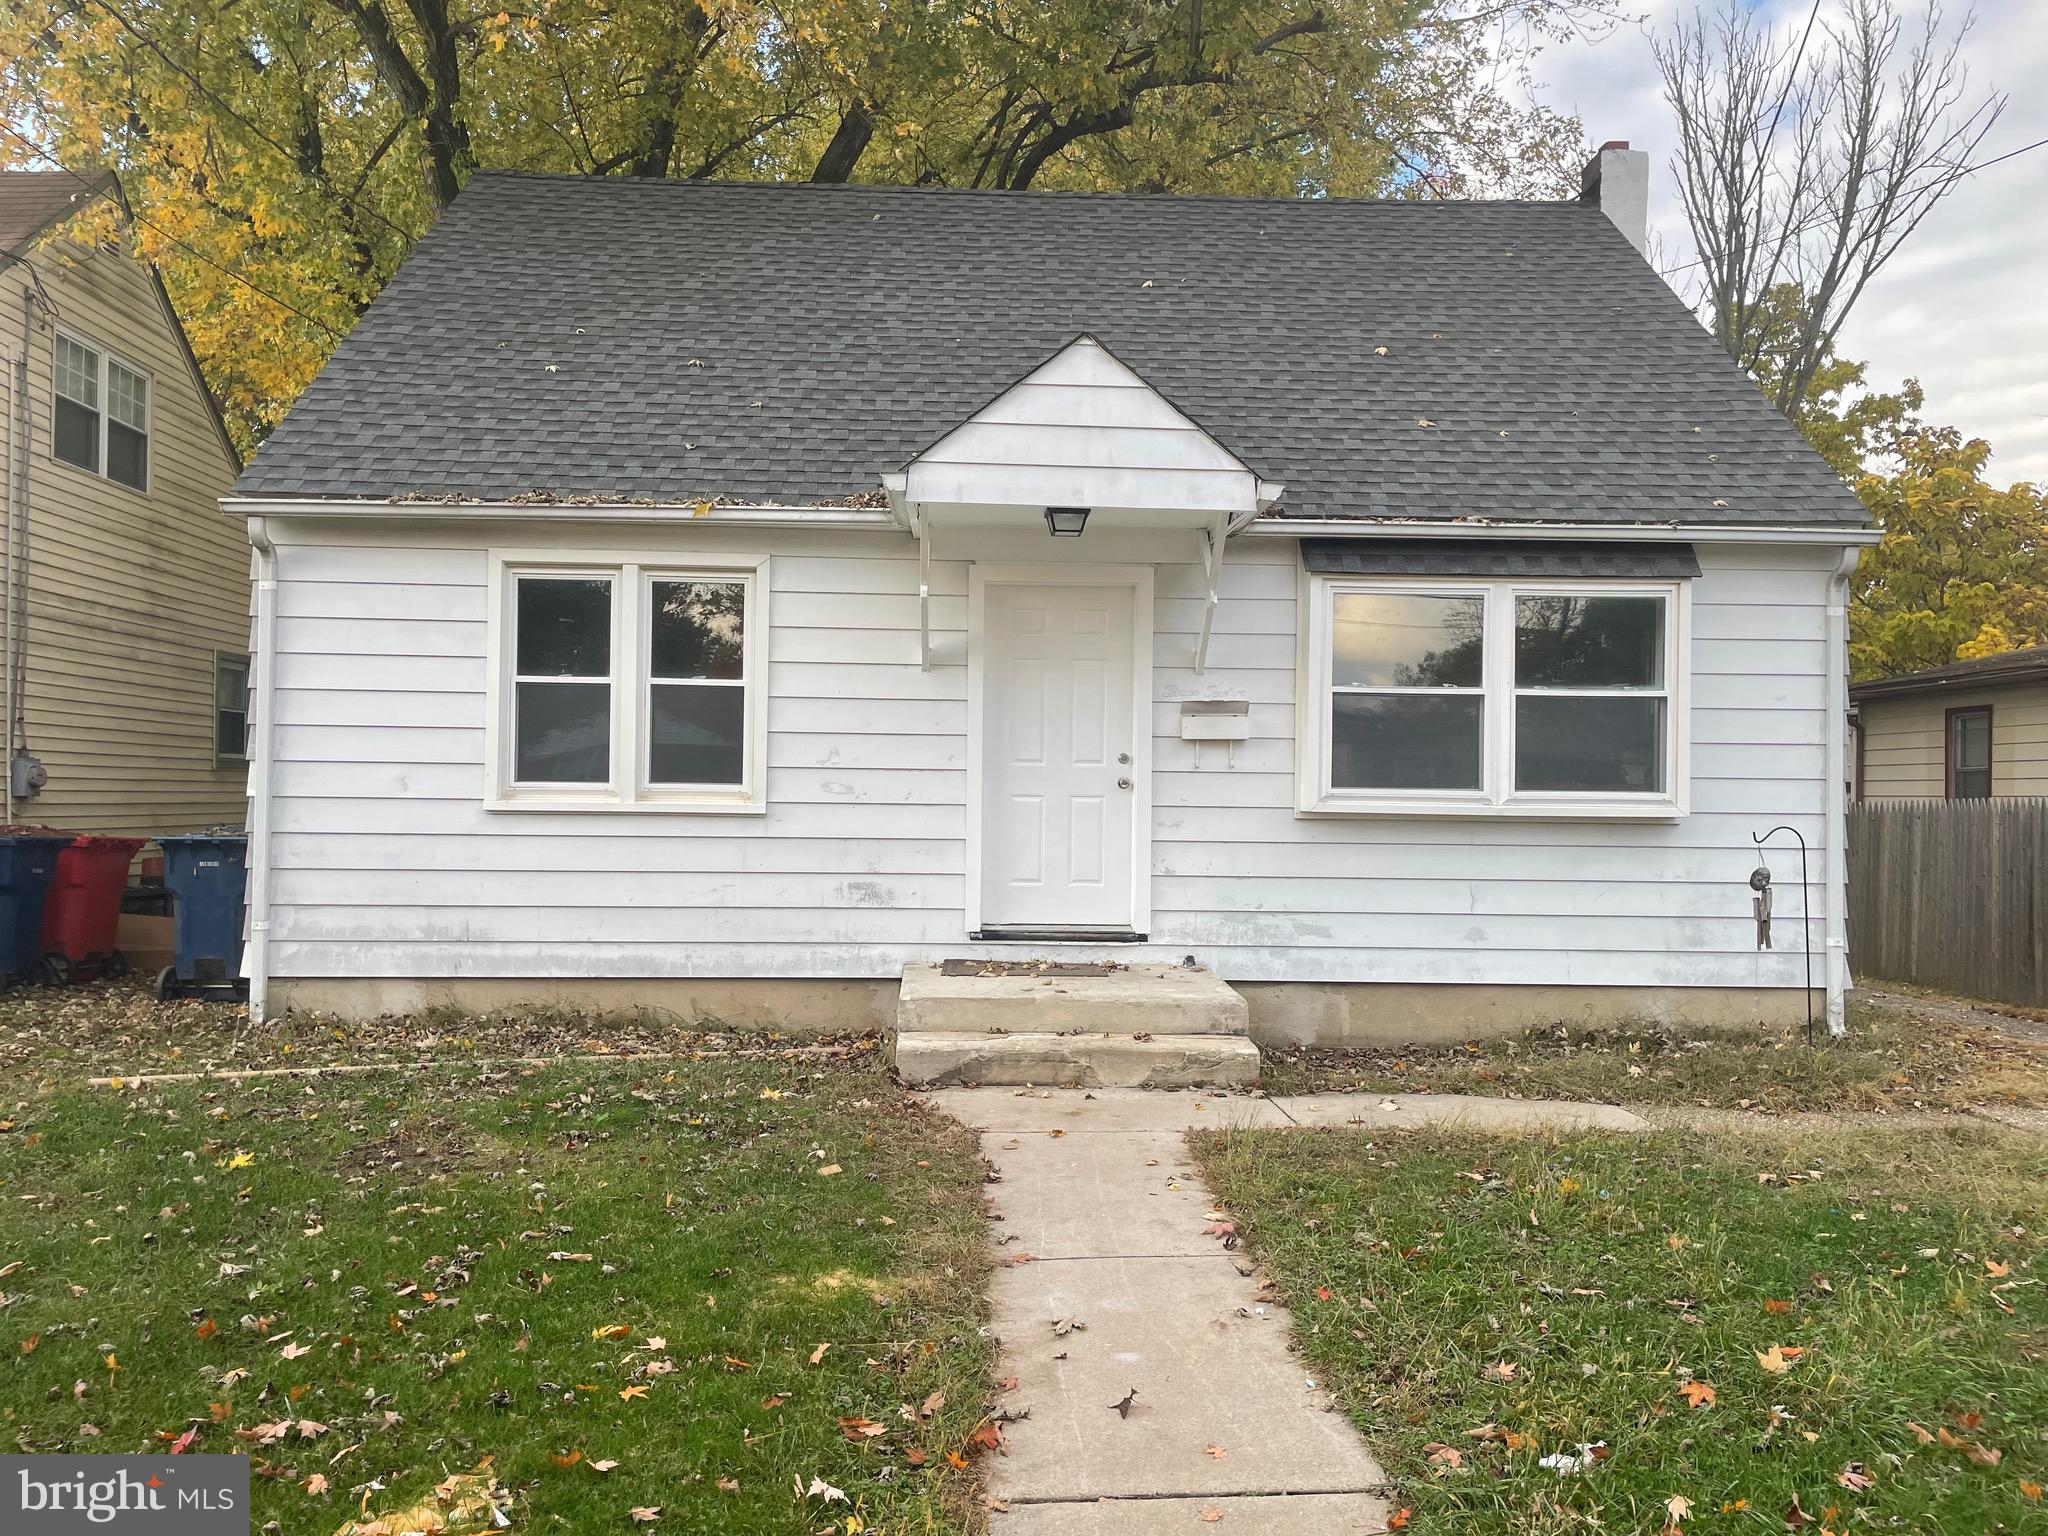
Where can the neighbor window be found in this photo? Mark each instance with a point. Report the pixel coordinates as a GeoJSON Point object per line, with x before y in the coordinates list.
{"type": "Point", "coordinates": [629, 685]}
{"type": "Point", "coordinates": [101, 421]}
{"type": "Point", "coordinates": [1491, 696]}
{"type": "Point", "coordinates": [230, 707]}
{"type": "Point", "coordinates": [1969, 754]}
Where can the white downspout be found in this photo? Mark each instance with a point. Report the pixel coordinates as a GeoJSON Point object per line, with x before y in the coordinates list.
{"type": "Point", "coordinates": [263, 691]}
{"type": "Point", "coordinates": [1835, 823]}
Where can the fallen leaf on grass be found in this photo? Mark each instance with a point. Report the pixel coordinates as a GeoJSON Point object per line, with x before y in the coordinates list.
{"type": "Point", "coordinates": [1982, 1455]}
{"type": "Point", "coordinates": [1795, 1517]}
{"type": "Point", "coordinates": [1398, 1520]}
{"type": "Point", "coordinates": [828, 1170]}
{"type": "Point", "coordinates": [1678, 1507]}
{"type": "Point", "coordinates": [207, 1329]}
{"type": "Point", "coordinates": [859, 1429]}
{"type": "Point", "coordinates": [931, 1405]}
{"type": "Point", "coordinates": [728, 1485]}
{"type": "Point", "coordinates": [2030, 1490]}
{"type": "Point", "coordinates": [567, 1459]}
{"type": "Point", "coordinates": [1440, 1455]}
{"type": "Point", "coordinates": [645, 1514]}
{"type": "Point", "coordinates": [820, 1489]}
{"type": "Point", "coordinates": [1920, 1434]}
{"type": "Point", "coordinates": [1855, 1477]}
{"type": "Point", "coordinates": [1697, 1394]}
{"type": "Point", "coordinates": [1500, 1370]}
{"type": "Point", "coordinates": [1779, 1358]}
{"type": "Point", "coordinates": [603, 1466]}
{"type": "Point", "coordinates": [1777, 1308]}
{"type": "Point", "coordinates": [626, 1394]}
{"type": "Point", "coordinates": [819, 1353]}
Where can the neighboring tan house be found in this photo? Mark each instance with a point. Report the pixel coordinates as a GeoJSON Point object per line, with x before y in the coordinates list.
{"type": "Point", "coordinates": [128, 661]}
{"type": "Point", "coordinates": [733, 597]}
{"type": "Point", "coordinates": [1972, 730]}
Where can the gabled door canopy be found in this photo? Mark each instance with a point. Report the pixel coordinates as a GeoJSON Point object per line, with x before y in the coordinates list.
{"type": "Point", "coordinates": [1080, 430]}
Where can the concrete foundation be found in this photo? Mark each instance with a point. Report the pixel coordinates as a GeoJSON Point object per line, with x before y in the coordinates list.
{"type": "Point", "coordinates": [795, 1006]}
{"type": "Point", "coordinates": [1395, 1013]}
{"type": "Point", "coordinates": [1281, 1012]}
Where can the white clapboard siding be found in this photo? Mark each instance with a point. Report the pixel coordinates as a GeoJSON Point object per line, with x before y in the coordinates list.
{"type": "Point", "coordinates": [388, 865]}
{"type": "Point", "coordinates": [1082, 430]}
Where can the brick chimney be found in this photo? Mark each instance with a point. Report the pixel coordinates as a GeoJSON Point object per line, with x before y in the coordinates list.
{"type": "Point", "coordinates": [1617, 182]}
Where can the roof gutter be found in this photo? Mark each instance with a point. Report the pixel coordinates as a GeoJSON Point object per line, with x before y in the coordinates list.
{"type": "Point", "coordinates": [1834, 536]}
{"type": "Point", "coordinates": [874, 519]}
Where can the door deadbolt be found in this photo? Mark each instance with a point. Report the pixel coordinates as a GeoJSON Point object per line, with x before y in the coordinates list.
{"type": "Point", "coordinates": [1123, 757]}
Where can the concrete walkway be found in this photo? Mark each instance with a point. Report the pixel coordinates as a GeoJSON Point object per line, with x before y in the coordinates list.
{"type": "Point", "coordinates": [1107, 1281]}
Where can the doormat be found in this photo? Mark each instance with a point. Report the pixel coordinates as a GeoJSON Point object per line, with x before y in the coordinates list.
{"type": "Point", "coordinates": [1029, 968]}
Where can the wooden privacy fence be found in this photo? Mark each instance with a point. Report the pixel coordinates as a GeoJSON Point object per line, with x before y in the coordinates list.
{"type": "Point", "coordinates": [1951, 894]}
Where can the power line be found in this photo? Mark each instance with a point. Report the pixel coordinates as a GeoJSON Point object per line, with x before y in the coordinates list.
{"type": "Point", "coordinates": [215, 97]}
{"type": "Point", "coordinates": [198, 255]}
{"type": "Point", "coordinates": [1811, 224]}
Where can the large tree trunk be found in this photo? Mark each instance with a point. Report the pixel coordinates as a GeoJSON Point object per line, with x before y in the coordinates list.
{"type": "Point", "coordinates": [849, 142]}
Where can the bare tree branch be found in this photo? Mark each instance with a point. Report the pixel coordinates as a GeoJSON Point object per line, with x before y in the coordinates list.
{"type": "Point", "coordinates": [1812, 170]}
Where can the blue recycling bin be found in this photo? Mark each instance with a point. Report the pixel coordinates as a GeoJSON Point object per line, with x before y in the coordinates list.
{"type": "Point", "coordinates": [28, 863]}
{"type": "Point", "coordinates": [205, 872]}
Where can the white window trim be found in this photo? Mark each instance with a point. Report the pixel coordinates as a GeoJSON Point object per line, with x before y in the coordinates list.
{"type": "Point", "coordinates": [632, 574]}
{"type": "Point", "coordinates": [232, 759]}
{"type": "Point", "coordinates": [104, 409]}
{"type": "Point", "coordinates": [1496, 798]}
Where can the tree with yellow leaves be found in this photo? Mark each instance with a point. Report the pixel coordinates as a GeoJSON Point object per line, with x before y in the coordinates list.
{"type": "Point", "coordinates": [1962, 571]}
{"type": "Point", "coordinates": [282, 156]}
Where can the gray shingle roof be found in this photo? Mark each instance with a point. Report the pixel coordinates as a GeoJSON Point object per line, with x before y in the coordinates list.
{"type": "Point", "coordinates": [31, 201]}
{"type": "Point", "coordinates": [789, 344]}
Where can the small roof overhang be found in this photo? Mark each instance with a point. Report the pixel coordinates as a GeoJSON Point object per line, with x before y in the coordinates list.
{"type": "Point", "coordinates": [1082, 429]}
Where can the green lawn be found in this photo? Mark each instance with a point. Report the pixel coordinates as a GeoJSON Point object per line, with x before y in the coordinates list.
{"type": "Point", "coordinates": [1732, 1325]}
{"type": "Point", "coordinates": [578, 1291]}
{"type": "Point", "coordinates": [1897, 1055]}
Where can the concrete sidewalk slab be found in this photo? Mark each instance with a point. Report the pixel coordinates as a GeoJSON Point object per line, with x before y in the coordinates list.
{"type": "Point", "coordinates": [1466, 1111]}
{"type": "Point", "coordinates": [1305, 1514]}
{"type": "Point", "coordinates": [1091, 1111]}
{"type": "Point", "coordinates": [1123, 1192]}
{"type": "Point", "coordinates": [1211, 1365]}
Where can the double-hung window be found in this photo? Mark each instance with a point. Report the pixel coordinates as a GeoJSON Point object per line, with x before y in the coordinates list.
{"type": "Point", "coordinates": [628, 684]}
{"type": "Point", "coordinates": [1968, 753]}
{"type": "Point", "coordinates": [1492, 697]}
{"type": "Point", "coordinates": [101, 417]}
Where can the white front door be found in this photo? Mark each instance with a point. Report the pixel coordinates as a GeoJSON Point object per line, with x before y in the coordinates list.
{"type": "Point", "coordinates": [1058, 777]}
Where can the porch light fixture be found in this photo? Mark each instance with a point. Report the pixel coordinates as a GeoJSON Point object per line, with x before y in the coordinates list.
{"type": "Point", "coordinates": [1066, 522]}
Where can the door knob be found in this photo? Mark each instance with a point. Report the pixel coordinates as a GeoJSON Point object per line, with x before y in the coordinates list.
{"type": "Point", "coordinates": [1123, 783]}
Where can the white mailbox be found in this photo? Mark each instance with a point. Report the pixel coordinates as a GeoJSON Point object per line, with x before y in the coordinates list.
{"type": "Point", "coordinates": [1216, 720]}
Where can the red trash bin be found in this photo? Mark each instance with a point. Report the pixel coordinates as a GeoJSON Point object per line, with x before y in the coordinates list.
{"type": "Point", "coordinates": [83, 912]}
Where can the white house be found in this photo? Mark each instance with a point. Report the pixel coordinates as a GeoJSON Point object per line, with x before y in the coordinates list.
{"type": "Point", "coordinates": [720, 597]}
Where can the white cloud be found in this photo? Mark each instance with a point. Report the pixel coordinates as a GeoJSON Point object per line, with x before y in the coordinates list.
{"type": "Point", "coordinates": [1961, 307]}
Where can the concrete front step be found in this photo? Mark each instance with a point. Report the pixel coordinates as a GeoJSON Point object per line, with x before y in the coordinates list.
{"type": "Point", "coordinates": [1130, 1000]}
{"type": "Point", "coordinates": [928, 1058]}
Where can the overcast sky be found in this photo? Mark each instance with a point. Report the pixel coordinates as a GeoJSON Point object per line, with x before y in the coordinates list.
{"type": "Point", "coordinates": [1964, 305]}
